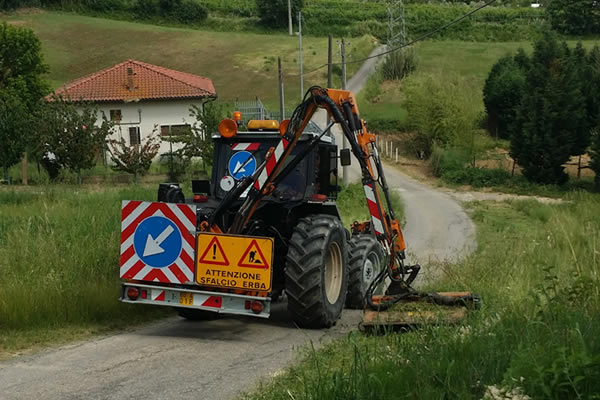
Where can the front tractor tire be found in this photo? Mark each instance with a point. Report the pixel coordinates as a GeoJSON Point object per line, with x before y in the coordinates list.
{"type": "Point", "coordinates": [316, 274]}
{"type": "Point", "coordinates": [366, 262]}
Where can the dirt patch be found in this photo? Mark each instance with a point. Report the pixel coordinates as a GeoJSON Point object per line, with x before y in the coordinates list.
{"type": "Point", "coordinates": [494, 196]}
{"type": "Point", "coordinates": [499, 158]}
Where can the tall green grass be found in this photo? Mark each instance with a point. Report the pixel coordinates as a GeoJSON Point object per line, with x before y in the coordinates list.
{"type": "Point", "coordinates": [352, 204]}
{"type": "Point", "coordinates": [59, 259]}
{"type": "Point", "coordinates": [537, 269]}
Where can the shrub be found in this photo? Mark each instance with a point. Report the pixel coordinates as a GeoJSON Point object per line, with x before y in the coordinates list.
{"type": "Point", "coordinates": [399, 64]}
{"type": "Point", "coordinates": [476, 177]}
{"type": "Point", "coordinates": [145, 9]}
{"type": "Point", "coordinates": [104, 5]}
{"type": "Point", "coordinates": [275, 12]}
{"type": "Point", "coordinates": [176, 165]}
{"type": "Point", "coordinates": [189, 12]}
{"type": "Point", "coordinates": [439, 110]}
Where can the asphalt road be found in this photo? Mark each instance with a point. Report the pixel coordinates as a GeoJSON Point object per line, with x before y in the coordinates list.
{"type": "Point", "coordinates": [179, 359]}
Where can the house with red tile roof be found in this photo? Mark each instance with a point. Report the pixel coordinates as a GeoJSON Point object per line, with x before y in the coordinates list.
{"type": "Point", "coordinates": [139, 96]}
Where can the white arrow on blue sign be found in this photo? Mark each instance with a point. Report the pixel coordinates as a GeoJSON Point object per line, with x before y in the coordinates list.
{"type": "Point", "coordinates": [241, 165]}
{"type": "Point", "coordinates": [157, 241]}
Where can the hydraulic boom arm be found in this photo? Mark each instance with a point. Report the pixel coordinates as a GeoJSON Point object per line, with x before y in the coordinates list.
{"type": "Point", "coordinates": [342, 107]}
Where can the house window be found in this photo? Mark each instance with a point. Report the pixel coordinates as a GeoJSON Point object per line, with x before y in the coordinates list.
{"type": "Point", "coordinates": [175, 130]}
{"type": "Point", "coordinates": [115, 115]}
{"type": "Point", "coordinates": [134, 135]}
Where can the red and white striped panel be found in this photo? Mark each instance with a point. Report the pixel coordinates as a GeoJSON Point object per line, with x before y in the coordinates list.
{"type": "Point", "coordinates": [157, 294]}
{"type": "Point", "coordinates": [245, 146]}
{"type": "Point", "coordinates": [132, 267]}
{"type": "Point", "coordinates": [207, 300]}
{"type": "Point", "coordinates": [271, 162]}
{"type": "Point", "coordinates": [376, 217]}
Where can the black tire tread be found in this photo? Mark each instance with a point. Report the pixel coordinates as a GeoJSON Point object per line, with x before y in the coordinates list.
{"type": "Point", "coordinates": [304, 261]}
{"type": "Point", "coordinates": [358, 246]}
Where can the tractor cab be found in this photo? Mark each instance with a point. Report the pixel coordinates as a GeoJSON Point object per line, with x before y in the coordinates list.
{"type": "Point", "coordinates": [237, 156]}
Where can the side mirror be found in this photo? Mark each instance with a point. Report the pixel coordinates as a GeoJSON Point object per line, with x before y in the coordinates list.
{"type": "Point", "coordinates": [345, 157]}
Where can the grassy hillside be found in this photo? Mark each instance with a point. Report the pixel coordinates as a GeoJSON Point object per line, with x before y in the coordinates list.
{"type": "Point", "coordinates": [240, 64]}
{"type": "Point", "coordinates": [447, 61]}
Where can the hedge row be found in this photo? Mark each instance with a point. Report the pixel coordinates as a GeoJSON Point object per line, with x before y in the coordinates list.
{"type": "Point", "coordinates": [349, 17]}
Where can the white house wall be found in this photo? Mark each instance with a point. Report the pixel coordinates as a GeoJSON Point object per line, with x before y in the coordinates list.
{"type": "Point", "coordinates": [148, 115]}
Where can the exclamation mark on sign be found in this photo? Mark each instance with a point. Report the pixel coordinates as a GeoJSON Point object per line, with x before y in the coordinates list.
{"type": "Point", "coordinates": [214, 251]}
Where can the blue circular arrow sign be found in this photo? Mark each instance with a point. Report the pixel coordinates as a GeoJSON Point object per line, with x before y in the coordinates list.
{"type": "Point", "coordinates": [157, 242]}
{"type": "Point", "coordinates": [241, 165]}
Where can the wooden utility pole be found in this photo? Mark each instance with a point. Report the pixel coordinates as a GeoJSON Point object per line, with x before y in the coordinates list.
{"type": "Point", "coordinates": [329, 62]}
{"type": "Point", "coordinates": [345, 141]}
{"type": "Point", "coordinates": [281, 100]}
{"type": "Point", "coordinates": [300, 46]}
{"type": "Point", "coordinates": [290, 17]}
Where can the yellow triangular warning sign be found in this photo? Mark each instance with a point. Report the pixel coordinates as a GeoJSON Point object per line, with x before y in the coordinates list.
{"type": "Point", "coordinates": [214, 254]}
{"type": "Point", "coordinates": [253, 257]}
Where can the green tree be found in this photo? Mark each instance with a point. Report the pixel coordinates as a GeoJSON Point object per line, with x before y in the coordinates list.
{"type": "Point", "coordinates": [581, 64]}
{"type": "Point", "coordinates": [594, 104]}
{"type": "Point", "coordinates": [21, 88]}
{"type": "Point", "coordinates": [71, 132]}
{"type": "Point", "coordinates": [134, 159]}
{"type": "Point", "coordinates": [551, 114]}
{"type": "Point", "coordinates": [197, 142]}
{"type": "Point", "coordinates": [576, 17]}
{"type": "Point", "coordinates": [275, 12]}
{"type": "Point", "coordinates": [502, 93]}
{"type": "Point", "coordinates": [13, 129]}
{"type": "Point", "coordinates": [22, 65]}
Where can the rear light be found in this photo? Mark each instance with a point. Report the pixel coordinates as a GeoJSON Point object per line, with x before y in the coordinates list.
{"type": "Point", "coordinates": [133, 293]}
{"type": "Point", "coordinates": [257, 307]}
{"type": "Point", "coordinates": [247, 305]}
{"type": "Point", "coordinates": [228, 128]}
{"type": "Point", "coordinates": [200, 198]}
{"type": "Point", "coordinates": [319, 197]}
{"type": "Point", "coordinates": [144, 294]}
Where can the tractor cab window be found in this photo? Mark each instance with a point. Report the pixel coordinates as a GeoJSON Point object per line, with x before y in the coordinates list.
{"type": "Point", "coordinates": [239, 160]}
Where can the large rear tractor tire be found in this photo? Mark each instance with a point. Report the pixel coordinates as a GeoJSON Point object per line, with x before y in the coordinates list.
{"type": "Point", "coordinates": [316, 273]}
{"type": "Point", "coordinates": [366, 262]}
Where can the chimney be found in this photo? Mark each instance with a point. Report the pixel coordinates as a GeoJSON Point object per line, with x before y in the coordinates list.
{"type": "Point", "coordinates": [130, 83]}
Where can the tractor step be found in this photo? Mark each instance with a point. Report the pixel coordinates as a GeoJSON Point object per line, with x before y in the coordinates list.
{"type": "Point", "coordinates": [414, 311]}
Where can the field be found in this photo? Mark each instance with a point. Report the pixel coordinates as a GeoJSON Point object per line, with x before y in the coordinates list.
{"type": "Point", "coordinates": [537, 332]}
{"type": "Point", "coordinates": [242, 65]}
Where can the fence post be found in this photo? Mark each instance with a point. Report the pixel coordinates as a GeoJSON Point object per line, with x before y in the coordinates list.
{"type": "Point", "coordinates": [396, 155]}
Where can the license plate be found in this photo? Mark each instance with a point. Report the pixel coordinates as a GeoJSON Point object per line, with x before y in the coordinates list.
{"type": "Point", "coordinates": [186, 299]}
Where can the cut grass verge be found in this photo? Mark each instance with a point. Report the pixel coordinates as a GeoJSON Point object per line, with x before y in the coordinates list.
{"type": "Point", "coordinates": [538, 272]}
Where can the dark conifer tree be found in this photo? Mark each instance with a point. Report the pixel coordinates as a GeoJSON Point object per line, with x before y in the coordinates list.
{"type": "Point", "coordinates": [550, 116]}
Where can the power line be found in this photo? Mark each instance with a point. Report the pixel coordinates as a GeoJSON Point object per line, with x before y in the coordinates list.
{"type": "Point", "coordinates": [418, 39]}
